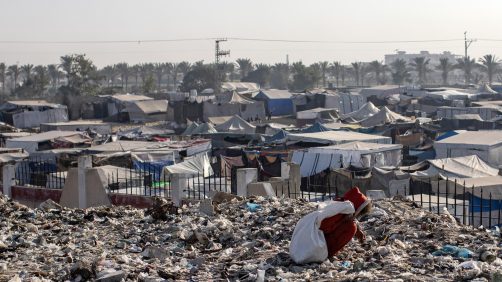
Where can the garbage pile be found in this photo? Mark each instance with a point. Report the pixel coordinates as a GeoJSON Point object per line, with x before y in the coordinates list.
{"type": "Point", "coordinates": [237, 239]}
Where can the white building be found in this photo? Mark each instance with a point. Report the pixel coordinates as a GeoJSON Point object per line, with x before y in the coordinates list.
{"type": "Point", "coordinates": [408, 58]}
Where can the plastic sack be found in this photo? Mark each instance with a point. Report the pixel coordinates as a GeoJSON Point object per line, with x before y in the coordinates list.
{"type": "Point", "coordinates": [308, 243]}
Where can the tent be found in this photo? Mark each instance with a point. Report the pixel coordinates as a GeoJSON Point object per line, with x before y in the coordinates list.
{"type": "Point", "coordinates": [384, 116]}
{"type": "Point", "coordinates": [486, 89]}
{"type": "Point", "coordinates": [460, 167]}
{"type": "Point", "coordinates": [196, 165]}
{"type": "Point", "coordinates": [336, 137]}
{"type": "Point", "coordinates": [317, 114]}
{"type": "Point", "coordinates": [278, 102]}
{"type": "Point", "coordinates": [236, 125]}
{"type": "Point", "coordinates": [366, 111]}
{"type": "Point", "coordinates": [31, 113]}
{"type": "Point", "coordinates": [190, 128]}
{"type": "Point", "coordinates": [31, 143]}
{"type": "Point", "coordinates": [363, 154]}
{"type": "Point", "coordinates": [314, 163]}
{"type": "Point", "coordinates": [205, 128]}
{"type": "Point", "coordinates": [486, 144]}
{"type": "Point", "coordinates": [144, 131]}
{"type": "Point", "coordinates": [316, 127]}
{"type": "Point", "coordinates": [382, 91]}
{"type": "Point", "coordinates": [150, 110]}
{"type": "Point", "coordinates": [232, 103]}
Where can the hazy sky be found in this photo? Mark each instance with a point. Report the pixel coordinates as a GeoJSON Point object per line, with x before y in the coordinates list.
{"type": "Point", "coordinates": [327, 20]}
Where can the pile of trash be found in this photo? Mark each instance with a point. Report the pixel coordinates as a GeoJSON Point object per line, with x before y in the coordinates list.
{"type": "Point", "coordinates": [236, 239]}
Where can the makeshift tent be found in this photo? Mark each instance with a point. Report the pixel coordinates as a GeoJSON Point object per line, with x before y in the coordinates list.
{"type": "Point", "coordinates": [344, 102]}
{"type": "Point", "coordinates": [362, 154]}
{"type": "Point", "coordinates": [277, 102]}
{"type": "Point", "coordinates": [205, 128]}
{"type": "Point", "coordinates": [152, 162]}
{"type": "Point", "coordinates": [31, 143]}
{"type": "Point", "coordinates": [485, 89]}
{"type": "Point", "coordinates": [190, 128]}
{"type": "Point", "coordinates": [366, 111]}
{"type": "Point", "coordinates": [317, 114]}
{"type": "Point", "coordinates": [336, 137]}
{"type": "Point", "coordinates": [314, 163]}
{"type": "Point", "coordinates": [384, 116]}
{"type": "Point", "coordinates": [485, 112]}
{"type": "Point", "coordinates": [232, 103]}
{"type": "Point", "coordinates": [486, 144]}
{"type": "Point", "coordinates": [236, 125]}
{"type": "Point", "coordinates": [78, 125]}
{"type": "Point", "coordinates": [392, 182]}
{"type": "Point", "coordinates": [461, 167]}
{"type": "Point", "coordinates": [150, 110]}
{"type": "Point", "coordinates": [382, 91]}
{"type": "Point", "coordinates": [196, 165]}
{"type": "Point", "coordinates": [279, 137]}
{"type": "Point", "coordinates": [29, 114]}
{"type": "Point", "coordinates": [316, 127]}
{"type": "Point", "coordinates": [144, 132]}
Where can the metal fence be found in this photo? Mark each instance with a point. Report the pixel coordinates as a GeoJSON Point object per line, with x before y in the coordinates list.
{"type": "Point", "coordinates": [40, 173]}
{"type": "Point", "coordinates": [143, 181]}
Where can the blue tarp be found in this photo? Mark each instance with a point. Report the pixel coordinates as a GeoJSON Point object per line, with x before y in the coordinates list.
{"type": "Point", "coordinates": [154, 168]}
{"type": "Point", "coordinates": [278, 137]}
{"type": "Point", "coordinates": [316, 127]}
{"type": "Point", "coordinates": [478, 205]}
{"type": "Point", "coordinates": [446, 135]}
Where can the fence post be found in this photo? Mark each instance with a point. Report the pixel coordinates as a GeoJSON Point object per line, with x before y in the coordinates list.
{"type": "Point", "coordinates": [84, 162]}
{"type": "Point", "coordinates": [9, 176]}
{"type": "Point", "coordinates": [178, 187]}
{"type": "Point", "coordinates": [244, 177]}
{"type": "Point", "coordinates": [285, 170]}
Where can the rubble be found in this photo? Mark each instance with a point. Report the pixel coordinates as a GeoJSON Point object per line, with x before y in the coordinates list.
{"type": "Point", "coordinates": [52, 243]}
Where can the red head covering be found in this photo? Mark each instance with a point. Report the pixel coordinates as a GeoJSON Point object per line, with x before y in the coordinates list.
{"type": "Point", "coordinates": [358, 199]}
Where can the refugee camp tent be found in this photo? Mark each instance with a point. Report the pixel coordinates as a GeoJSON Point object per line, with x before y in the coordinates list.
{"type": "Point", "coordinates": [366, 111]}
{"type": "Point", "coordinates": [34, 142]}
{"type": "Point", "coordinates": [118, 102]}
{"type": "Point", "coordinates": [336, 137]}
{"type": "Point", "coordinates": [317, 114]}
{"type": "Point", "coordinates": [240, 87]}
{"type": "Point", "coordinates": [149, 110]}
{"type": "Point", "coordinates": [384, 116]}
{"type": "Point", "coordinates": [344, 103]}
{"type": "Point", "coordinates": [97, 126]}
{"type": "Point", "coordinates": [279, 137]}
{"type": "Point", "coordinates": [232, 103]}
{"type": "Point", "coordinates": [363, 154]}
{"type": "Point", "coordinates": [204, 128]}
{"type": "Point", "coordinates": [316, 127]}
{"type": "Point", "coordinates": [190, 128]}
{"type": "Point", "coordinates": [196, 165]}
{"type": "Point", "coordinates": [382, 91]}
{"type": "Point", "coordinates": [459, 167]}
{"type": "Point", "coordinates": [277, 102]}
{"type": "Point", "coordinates": [29, 114]}
{"type": "Point", "coordinates": [485, 112]}
{"type": "Point", "coordinates": [485, 89]}
{"type": "Point", "coordinates": [236, 125]}
{"type": "Point", "coordinates": [144, 132]}
{"type": "Point", "coordinates": [314, 163]}
{"type": "Point", "coordinates": [486, 144]}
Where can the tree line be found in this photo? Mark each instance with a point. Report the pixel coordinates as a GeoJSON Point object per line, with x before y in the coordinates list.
{"type": "Point", "coordinates": [77, 74]}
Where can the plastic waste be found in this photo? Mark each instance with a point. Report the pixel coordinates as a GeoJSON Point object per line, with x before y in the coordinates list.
{"type": "Point", "coordinates": [449, 250]}
{"type": "Point", "coordinates": [345, 264]}
{"type": "Point", "coordinates": [252, 207]}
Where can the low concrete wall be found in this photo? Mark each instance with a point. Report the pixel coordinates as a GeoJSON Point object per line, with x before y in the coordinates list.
{"type": "Point", "coordinates": [33, 197]}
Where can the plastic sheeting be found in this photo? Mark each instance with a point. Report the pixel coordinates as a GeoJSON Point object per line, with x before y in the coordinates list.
{"type": "Point", "coordinates": [384, 116]}
{"type": "Point", "coordinates": [30, 119]}
{"type": "Point", "coordinates": [337, 137]}
{"type": "Point", "coordinates": [461, 167]}
{"type": "Point", "coordinates": [366, 111]}
{"type": "Point", "coordinates": [314, 163]}
{"type": "Point", "coordinates": [152, 162]}
{"type": "Point", "coordinates": [197, 165]}
{"type": "Point", "coordinates": [236, 125]}
{"type": "Point", "coordinates": [362, 154]}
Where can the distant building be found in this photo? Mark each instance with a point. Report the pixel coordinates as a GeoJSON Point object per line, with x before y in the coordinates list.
{"type": "Point", "coordinates": [408, 58]}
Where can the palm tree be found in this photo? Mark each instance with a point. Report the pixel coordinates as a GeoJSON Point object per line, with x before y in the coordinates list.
{"type": "Point", "coordinates": [356, 71]}
{"type": "Point", "coordinates": [400, 72]}
{"type": "Point", "coordinates": [3, 70]}
{"type": "Point", "coordinates": [336, 70]}
{"type": "Point", "coordinates": [316, 72]}
{"type": "Point", "coordinates": [54, 74]}
{"type": "Point", "coordinates": [41, 78]}
{"type": "Point", "coordinates": [467, 65]}
{"type": "Point", "coordinates": [184, 67]}
{"type": "Point", "coordinates": [159, 70]}
{"type": "Point", "coordinates": [298, 67]}
{"type": "Point", "coordinates": [27, 70]}
{"type": "Point", "coordinates": [279, 76]}
{"type": "Point", "coordinates": [245, 66]}
{"type": "Point", "coordinates": [168, 70]}
{"type": "Point", "coordinates": [135, 71]}
{"type": "Point", "coordinates": [13, 72]}
{"type": "Point", "coordinates": [123, 71]}
{"type": "Point", "coordinates": [378, 68]}
{"type": "Point", "coordinates": [445, 68]}
{"type": "Point", "coordinates": [108, 73]}
{"type": "Point", "coordinates": [146, 70]}
{"type": "Point", "coordinates": [324, 71]}
{"type": "Point", "coordinates": [66, 66]}
{"type": "Point", "coordinates": [421, 67]}
{"type": "Point", "coordinates": [490, 65]}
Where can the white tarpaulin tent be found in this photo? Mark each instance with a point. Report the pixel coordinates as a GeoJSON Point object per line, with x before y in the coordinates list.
{"type": "Point", "coordinates": [337, 137]}
{"type": "Point", "coordinates": [384, 116]}
{"type": "Point", "coordinates": [236, 125]}
{"type": "Point", "coordinates": [366, 111]}
{"type": "Point", "coordinates": [314, 163]}
{"type": "Point", "coordinates": [363, 154]}
{"type": "Point", "coordinates": [196, 165]}
{"type": "Point", "coordinates": [141, 111]}
{"type": "Point", "coordinates": [461, 167]}
{"type": "Point", "coordinates": [30, 143]}
{"type": "Point", "coordinates": [486, 144]}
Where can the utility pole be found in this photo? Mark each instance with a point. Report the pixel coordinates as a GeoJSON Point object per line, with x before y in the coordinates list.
{"type": "Point", "coordinates": [217, 55]}
{"type": "Point", "coordinates": [467, 43]}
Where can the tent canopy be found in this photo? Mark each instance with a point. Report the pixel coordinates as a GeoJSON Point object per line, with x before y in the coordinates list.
{"type": "Point", "coordinates": [316, 127]}
{"type": "Point", "coordinates": [236, 124]}
{"type": "Point", "coordinates": [337, 137]}
{"type": "Point", "coordinates": [384, 116]}
{"type": "Point", "coordinates": [366, 111]}
{"type": "Point", "coordinates": [196, 165]}
{"type": "Point", "coordinates": [461, 167]}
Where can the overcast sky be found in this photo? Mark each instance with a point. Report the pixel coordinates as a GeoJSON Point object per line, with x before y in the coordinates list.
{"type": "Point", "coordinates": [326, 20]}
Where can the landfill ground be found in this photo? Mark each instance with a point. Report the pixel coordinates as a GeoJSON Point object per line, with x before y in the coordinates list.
{"type": "Point", "coordinates": [239, 242]}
